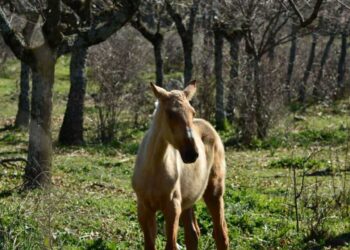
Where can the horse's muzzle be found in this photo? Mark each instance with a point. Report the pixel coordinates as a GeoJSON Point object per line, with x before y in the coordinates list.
{"type": "Point", "coordinates": [189, 156]}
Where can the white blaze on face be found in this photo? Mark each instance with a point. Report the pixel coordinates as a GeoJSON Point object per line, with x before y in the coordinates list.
{"type": "Point", "coordinates": [189, 133]}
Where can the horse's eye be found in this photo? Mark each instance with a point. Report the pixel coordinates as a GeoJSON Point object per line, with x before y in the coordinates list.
{"type": "Point", "coordinates": [171, 114]}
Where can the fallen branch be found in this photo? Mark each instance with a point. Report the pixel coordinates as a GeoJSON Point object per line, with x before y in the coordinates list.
{"type": "Point", "coordinates": [11, 161]}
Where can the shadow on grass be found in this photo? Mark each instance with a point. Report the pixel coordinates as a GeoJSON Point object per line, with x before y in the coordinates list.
{"type": "Point", "coordinates": [100, 244]}
{"type": "Point", "coordinates": [334, 242]}
{"type": "Point", "coordinates": [7, 128]}
{"type": "Point", "coordinates": [6, 193]}
{"type": "Point", "coordinates": [19, 151]}
{"type": "Point", "coordinates": [12, 139]}
{"type": "Point", "coordinates": [338, 241]}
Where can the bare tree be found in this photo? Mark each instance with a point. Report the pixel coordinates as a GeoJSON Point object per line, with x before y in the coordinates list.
{"type": "Point", "coordinates": [315, 10]}
{"type": "Point", "coordinates": [185, 33]}
{"type": "Point", "coordinates": [149, 21]}
{"type": "Point", "coordinates": [72, 129]}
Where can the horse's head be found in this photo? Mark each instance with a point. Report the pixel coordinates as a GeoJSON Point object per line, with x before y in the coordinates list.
{"type": "Point", "coordinates": [177, 114]}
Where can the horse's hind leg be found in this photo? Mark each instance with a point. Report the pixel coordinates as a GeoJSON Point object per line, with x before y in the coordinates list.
{"type": "Point", "coordinates": [191, 229]}
{"type": "Point", "coordinates": [213, 198]}
{"type": "Point", "coordinates": [147, 220]}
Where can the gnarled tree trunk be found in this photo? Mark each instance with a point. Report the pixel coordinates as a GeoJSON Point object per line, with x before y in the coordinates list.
{"type": "Point", "coordinates": [317, 93]}
{"type": "Point", "coordinates": [310, 62]}
{"type": "Point", "coordinates": [72, 130]}
{"type": "Point", "coordinates": [157, 47]}
{"type": "Point", "coordinates": [38, 169]}
{"type": "Point", "coordinates": [234, 54]}
{"type": "Point", "coordinates": [261, 116]}
{"type": "Point", "coordinates": [219, 97]}
{"type": "Point", "coordinates": [23, 111]}
{"type": "Point", "coordinates": [342, 64]}
{"type": "Point", "coordinates": [292, 56]}
{"type": "Point", "coordinates": [188, 65]}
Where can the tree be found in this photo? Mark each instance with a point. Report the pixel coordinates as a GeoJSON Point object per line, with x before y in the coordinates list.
{"type": "Point", "coordinates": [261, 34]}
{"type": "Point", "coordinates": [315, 10]}
{"type": "Point", "coordinates": [72, 129]}
{"type": "Point", "coordinates": [149, 21]}
{"type": "Point", "coordinates": [185, 33]}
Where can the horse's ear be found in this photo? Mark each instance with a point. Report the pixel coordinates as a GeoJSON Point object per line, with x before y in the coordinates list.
{"type": "Point", "coordinates": [190, 90]}
{"type": "Point", "coordinates": [159, 92]}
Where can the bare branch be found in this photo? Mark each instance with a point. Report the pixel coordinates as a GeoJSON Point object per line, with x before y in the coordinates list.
{"type": "Point", "coordinates": [14, 41]}
{"type": "Point", "coordinates": [11, 161]}
{"type": "Point", "coordinates": [312, 17]}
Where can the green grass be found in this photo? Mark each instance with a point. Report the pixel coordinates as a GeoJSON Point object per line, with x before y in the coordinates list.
{"type": "Point", "coordinates": [92, 206]}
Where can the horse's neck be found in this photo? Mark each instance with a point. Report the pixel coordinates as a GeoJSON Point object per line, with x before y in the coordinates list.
{"type": "Point", "coordinates": [157, 144]}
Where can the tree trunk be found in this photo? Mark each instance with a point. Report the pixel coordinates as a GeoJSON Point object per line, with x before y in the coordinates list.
{"type": "Point", "coordinates": [23, 112]}
{"type": "Point", "coordinates": [206, 108]}
{"type": "Point", "coordinates": [342, 64]}
{"type": "Point", "coordinates": [219, 98]}
{"type": "Point", "coordinates": [188, 65]}
{"type": "Point", "coordinates": [317, 93]}
{"type": "Point", "coordinates": [246, 121]}
{"type": "Point", "coordinates": [292, 56]}
{"type": "Point", "coordinates": [310, 62]}
{"type": "Point", "coordinates": [157, 47]}
{"type": "Point", "coordinates": [261, 117]}
{"type": "Point", "coordinates": [234, 53]}
{"type": "Point", "coordinates": [72, 129]}
{"type": "Point", "coordinates": [38, 169]}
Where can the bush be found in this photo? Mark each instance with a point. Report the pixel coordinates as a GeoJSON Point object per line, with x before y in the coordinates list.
{"type": "Point", "coordinates": [299, 163]}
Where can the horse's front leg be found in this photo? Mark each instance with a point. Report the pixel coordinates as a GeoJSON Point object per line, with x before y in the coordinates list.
{"type": "Point", "coordinates": [172, 213]}
{"type": "Point", "coordinates": [147, 220]}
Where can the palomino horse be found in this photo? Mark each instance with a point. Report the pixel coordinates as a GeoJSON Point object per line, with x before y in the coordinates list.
{"type": "Point", "coordinates": [180, 160]}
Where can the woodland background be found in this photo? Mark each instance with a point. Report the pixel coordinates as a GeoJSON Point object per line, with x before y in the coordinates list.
{"type": "Point", "coordinates": [75, 100]}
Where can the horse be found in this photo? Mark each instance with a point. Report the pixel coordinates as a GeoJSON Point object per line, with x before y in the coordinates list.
{"type": "Point", "coordinates": [181, 159]}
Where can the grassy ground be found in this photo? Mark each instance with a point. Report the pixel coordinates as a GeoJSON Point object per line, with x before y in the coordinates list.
{"type": "Point", "coordinates": [92, 205]}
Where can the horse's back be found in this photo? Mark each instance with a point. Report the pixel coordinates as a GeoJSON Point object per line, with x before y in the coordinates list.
{"type": "Point", "coordinates": [210, 137]}
{"type": "Point", "coordinates": [215, 151]}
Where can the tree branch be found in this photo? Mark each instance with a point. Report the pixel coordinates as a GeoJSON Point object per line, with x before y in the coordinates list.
{"type": "Point", "coordinates": [14, 41]}
{"type": "Point", "coordinates": [312, 17]}
{"type": "Point", "coordinates": [176, 17]}
{"type": "Point", "coordinates": [93, 35]}
{"type": "Point", "coordinates": [11, 161]}
{"type": "Point", "coordinates": [51, 30]}
{"type": "Point", "coordinates": [137, 24]}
